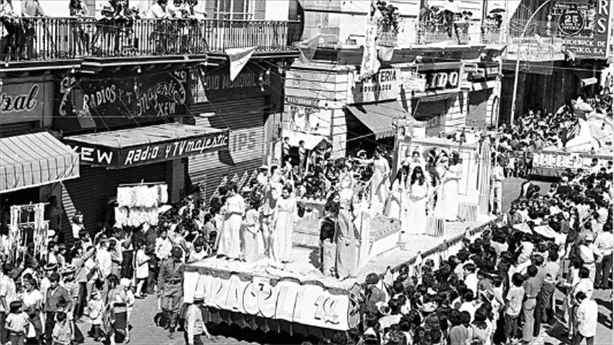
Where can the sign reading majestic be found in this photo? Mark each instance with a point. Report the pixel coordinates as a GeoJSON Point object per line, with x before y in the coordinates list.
{"type": "Point", "coordinates": [113, 102]}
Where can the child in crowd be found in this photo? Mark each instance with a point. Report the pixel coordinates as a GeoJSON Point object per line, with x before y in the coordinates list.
{"type": "Point", "coordinates": [94, 310]}
{"type": "Point", "coordinates": [17, 323]}
{"type": "Point", "coordinates": [62, 331]}
{"type": "Point", "coordinates": [142, 268]}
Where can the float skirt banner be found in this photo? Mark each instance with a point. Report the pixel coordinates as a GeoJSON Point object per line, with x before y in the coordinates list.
{"type": "Point", "coordinates": [310, 304]}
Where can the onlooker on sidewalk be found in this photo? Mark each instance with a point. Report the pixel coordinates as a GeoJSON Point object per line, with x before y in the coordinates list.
{"type": "Point", "coordinates": [586, 320]}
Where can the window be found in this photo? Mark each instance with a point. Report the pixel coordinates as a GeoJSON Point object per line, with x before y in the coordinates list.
{"type": "Point", "coordinates": [234, 9]}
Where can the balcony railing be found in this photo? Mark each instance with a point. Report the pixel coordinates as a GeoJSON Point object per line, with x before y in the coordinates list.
{"type": "Point", "coordinates": [48, 38]}
{"type": "Point", "coordinates": [431, 33]}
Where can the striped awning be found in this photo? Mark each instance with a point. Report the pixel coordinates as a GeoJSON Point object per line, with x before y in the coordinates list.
{"type": "Point", "coordinates": [33, 160]}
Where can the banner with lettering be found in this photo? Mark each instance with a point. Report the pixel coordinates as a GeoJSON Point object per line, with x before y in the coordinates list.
{"type": "Point", "coordinates": [22, 102]}
{"type": "Point", "coordinates": [114, 157]}
{"type": "Point", "coordinates": [564, 160]}
{"type": "Point", "coordinates": [307, 303]}
{"type": "Point", "coordinates": [381, 86]}
{"type": "Point", "coordinates": [120, 100]}
{"type": "Point", "coordinates": [251, 81]}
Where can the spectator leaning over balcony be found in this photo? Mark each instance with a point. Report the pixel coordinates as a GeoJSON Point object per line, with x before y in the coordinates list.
{"type": "Point", "coordinates": [160, 35]}
{"type": "Point", "coordinates": [29, 8]}
{"type": "Point", "coordinates": [7, 19]}
{"type": "Point", "coordinates": [78, 9]}
{"type": "Point", "coordinates": [194, 12]}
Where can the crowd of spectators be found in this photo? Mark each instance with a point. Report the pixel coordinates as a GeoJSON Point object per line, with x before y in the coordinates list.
{"type": "Point", "coordinates": [500, 288]}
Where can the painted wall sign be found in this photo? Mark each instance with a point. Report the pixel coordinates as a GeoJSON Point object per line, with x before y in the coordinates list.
{"type": "Point", "coordinates": [147, 154]}
{"type": "Point", "coordinates": [585, 27]}
{"type": "Point", "coordinates": [382, 86]}
{"type": "Point", "coordinates": [21, 102]}
{"type": "Point", "coordinates": [289, 300]}
{"type": "Point", "coordinates": [253, 80]}
{"type": "Point", "coordinates": [115, 102]}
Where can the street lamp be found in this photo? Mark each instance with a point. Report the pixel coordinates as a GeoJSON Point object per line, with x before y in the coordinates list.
{"type": "Point", "coordinates": [524, 31]}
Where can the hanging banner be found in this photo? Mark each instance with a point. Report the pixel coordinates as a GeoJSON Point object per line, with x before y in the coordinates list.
{"type": "Point", "coordinates": [584, 26]}
{"type": "Point", "coordinates": [238, 59]}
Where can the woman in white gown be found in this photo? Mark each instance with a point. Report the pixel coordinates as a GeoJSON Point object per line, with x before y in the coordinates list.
{"type": "Point", "coordinates": [284, 218]}
{"type": "Point", "coordinates": [379, 180]}
{"type": "Point", "coordinates": [398, 196]}
{"type": "Point", "coordinates": [230, 238]}
{"type": "Point", "coordinates": [418, 197]}
{"type": "Point", "coordinates": [447, 203]}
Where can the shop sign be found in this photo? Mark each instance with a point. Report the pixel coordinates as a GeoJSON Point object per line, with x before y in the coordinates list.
{"type": "Point", "coordinates": [439, 80]}
{"type": "Point", "coordinates": [382, 86]}
{"type": "Point", "coordinates": [564, 160]}
{"type": "Point", "coordinates": [252, 81]}
{"type": "Point", "coordinates": [122, 101]}
{"type": "Point", "coordinates": [21, 102]}
{"type": "Point", "coordinates": [584, 27]}
{"type": "Point", "coordinates": [307, 102]}
{"type": "Point", "coordinates": [308, 304]}
{"type": "Point", "coordinates": [152, 153]}
{"type": "Point", "coordinates": [492, 71]}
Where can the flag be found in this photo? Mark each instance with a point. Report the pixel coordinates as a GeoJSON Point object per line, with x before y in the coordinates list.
{"type": "Point", "coordinates": [308, 48]}
{"type": "Point", "coordinates": [238, 59]}
{"type": "Point", "coordinates": [571, 55]}
{"type": "Point", "coordinates": [370, 65]}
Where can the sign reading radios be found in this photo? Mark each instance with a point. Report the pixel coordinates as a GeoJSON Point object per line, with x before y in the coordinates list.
{"type": "Point", "coordinates": [384, 85]}
{"type": "Point", "coordinates": [584, 27]}
{"type": "Point", "coordinates": [289, 300]}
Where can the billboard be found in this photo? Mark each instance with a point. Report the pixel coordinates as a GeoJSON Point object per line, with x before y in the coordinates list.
{"type": "Point", "coordinates": [584, 27]}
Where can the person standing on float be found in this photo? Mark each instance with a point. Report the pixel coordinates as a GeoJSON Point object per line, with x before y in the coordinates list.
{"type": "Point", "coordinates": [272, 192]}
{"type": "Point", "coordinates": [447, 199]}
{"type": "Point", "coordinates": [379, 182]}
{"type": "Point", "coordinates": [283, 226]}
{"type": "Point", "coordinates": [230, 238]}
{"type": "Point", "coordinates": [398, 196]}
{"type": "Point", "coordinates": [418, 197]}
{"type": "Point", "coordinates": [345, 237]}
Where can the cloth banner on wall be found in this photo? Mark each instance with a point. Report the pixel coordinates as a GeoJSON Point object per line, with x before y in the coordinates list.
{"type": "Point", "coordinates": [308, 48]}
{"type": "Point", "coordinates": [370, 65]}
{"type": "Point", "coordinates": [238, 59]}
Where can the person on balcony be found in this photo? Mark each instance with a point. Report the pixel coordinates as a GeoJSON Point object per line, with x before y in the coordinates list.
{"type": "Point", "coordinates": [78, 9]}
{"type": "Point", "coordinates": [29, 9]}
{"type": "Point", "coordinates": [180, 11]}
{"type": "Point", "coordinates": [7, 28]}
{"type": "Point", "coordinates": [158, 10]}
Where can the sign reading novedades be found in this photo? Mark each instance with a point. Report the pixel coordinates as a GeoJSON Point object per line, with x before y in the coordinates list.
{"type": "Point", "coordinates": [382, 86]}
{"type": "Point", "coordinates": [584, 26]}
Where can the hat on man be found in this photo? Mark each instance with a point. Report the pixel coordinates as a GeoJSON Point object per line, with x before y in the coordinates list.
{"type": "Point", "coordinates": [372, 278]}
{"type": "Point", "coordinates": [68, 269]}
{"type": "Point", "coordinates": [50, 267]}
{"type": "Point", "coordinates": [429, 307]}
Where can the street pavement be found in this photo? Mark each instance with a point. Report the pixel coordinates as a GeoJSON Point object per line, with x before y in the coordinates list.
{"type": "Point", "coordinates": [145, 332]}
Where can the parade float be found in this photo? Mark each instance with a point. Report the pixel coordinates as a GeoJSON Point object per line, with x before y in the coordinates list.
{"type": "Point", "coordinates": [590, 139]}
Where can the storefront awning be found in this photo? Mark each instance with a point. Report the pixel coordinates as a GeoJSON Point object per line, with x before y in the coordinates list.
{"type": "Point", "coordinates": [436, 96]}
{"type": "Point", "coordinates": [33, 160]}
{"type": "Point", "coordinates": [379, 117]}
{"type": "Point", "coordinates": [145, 145]}
{"type": "Point", "coordinates": [491, 84]}
{"type": "Point", "coordinates": [311, 140]}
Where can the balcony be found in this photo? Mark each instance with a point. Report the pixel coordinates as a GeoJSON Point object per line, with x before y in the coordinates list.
{"type": "Point", "coordinates": [457, 33]}
{"type": "Point", "coordinates": [56, 39]}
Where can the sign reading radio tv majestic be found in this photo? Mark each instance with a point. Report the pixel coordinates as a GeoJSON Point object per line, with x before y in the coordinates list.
{"type": "Point", "coordinates": [120, 101]}
{"type": "Point", "coordinates": [584, 26]}
{"type": "Point", "coordinates": [149, 153]}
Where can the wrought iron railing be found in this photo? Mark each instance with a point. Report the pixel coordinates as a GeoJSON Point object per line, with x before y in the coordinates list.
{"type": "Point", "coordinates": [432, 32]}
{"type": "Point", "coordinates": [49, 38]}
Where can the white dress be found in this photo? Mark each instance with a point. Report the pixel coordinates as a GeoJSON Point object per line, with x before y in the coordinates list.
{"type": "Point", "coordinates": [142, 265]}
{"type": "Point", "coordinates": [230, 238]}
{"type": "Point", "coordinates": [379, 181]}
{"type": "Point", "coordinates": [398, 201]}
{"type": "Point", "coordinates": [416, 212]}
{"type": "Point", "coordinates": [285, 216]}
{"type": "Point", "coordinates": [447, 203]}
{"type": "Point", "coordinates": [362, 225]}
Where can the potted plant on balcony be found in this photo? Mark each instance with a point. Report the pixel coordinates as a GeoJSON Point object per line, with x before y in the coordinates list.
{"type": "Point", "coordinates": [387, 24]}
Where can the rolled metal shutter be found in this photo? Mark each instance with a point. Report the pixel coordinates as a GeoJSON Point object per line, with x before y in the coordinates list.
{"type": "Point", "coordinates": [91, 192]}
{"type": "Point", "coordinates": [246, 119]}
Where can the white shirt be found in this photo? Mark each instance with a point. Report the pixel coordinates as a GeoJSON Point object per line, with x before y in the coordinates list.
{"type": "Point", "coordinates": [7, 290]}
{"type": "Point", "coordinates": [586, 317]}
{"type": "Point", "coordinates": [498, 173]}
{"type": "Point", "coordinates": [605, 243]}
{"type": "Point", "coordinates": [471, 280]}
{"type": "Point", "coordinates": [163, 248]}
{"type": "Point", "coordinates": [585, 285]}
{"type": "Point", "coordinates": [103, 258]}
